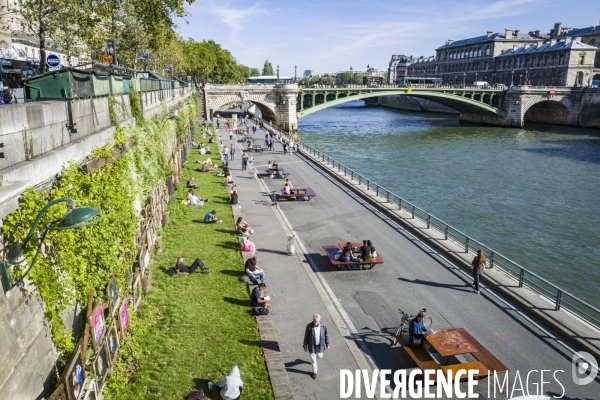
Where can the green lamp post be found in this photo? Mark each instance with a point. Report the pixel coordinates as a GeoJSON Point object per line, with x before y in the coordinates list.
{"type": "Point", "coordinates": [168, 117]}
{"type": "Point", "coordinates": [77, 217]}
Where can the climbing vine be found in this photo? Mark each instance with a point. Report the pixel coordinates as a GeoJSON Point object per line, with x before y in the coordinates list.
{"type": "Point", "coordinates": [78, 260]}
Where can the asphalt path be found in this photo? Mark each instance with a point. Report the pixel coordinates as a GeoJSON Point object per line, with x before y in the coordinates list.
{"type": "Point", "coordinates": [415, 276]}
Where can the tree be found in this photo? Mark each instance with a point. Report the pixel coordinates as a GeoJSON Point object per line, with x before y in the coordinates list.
{"type": "Point", "coordinates": [358, 79]}
{"type": "Point", "coordinates": [386, 76]}
{"type": "Point", "coordinates": [268, 68]}
{"type": "Point", "coordinates": [254, 72]}
{"type": "Point", "coordinates": [347, 77]}
{"type": "Point", "coordinates": [44, 19]}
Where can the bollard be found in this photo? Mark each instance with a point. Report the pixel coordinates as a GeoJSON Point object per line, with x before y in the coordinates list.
{"type": "Point", "coordinates": [291, 245]}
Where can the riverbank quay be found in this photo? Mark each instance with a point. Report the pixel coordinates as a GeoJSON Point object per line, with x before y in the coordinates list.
{"type": "Point", "coordinates": [296, 295]}
{"type": "Point", "coordinates": [194, 328]}
{"type": "Point", "coordinates": [415, 275]}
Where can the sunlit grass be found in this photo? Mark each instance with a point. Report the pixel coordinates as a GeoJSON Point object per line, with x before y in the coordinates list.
{"type": "Point", "coordinates": [199, 326]}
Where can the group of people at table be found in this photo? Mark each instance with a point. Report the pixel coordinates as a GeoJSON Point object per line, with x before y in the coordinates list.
{"type": "Point", "coordinates": [367, 250]}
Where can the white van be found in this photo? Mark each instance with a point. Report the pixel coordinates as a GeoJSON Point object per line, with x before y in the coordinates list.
{"type": "Point", "coordinates": [481, 84]}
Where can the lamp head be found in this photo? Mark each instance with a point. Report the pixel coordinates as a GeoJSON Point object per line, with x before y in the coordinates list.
{"type": "Point", "coordinates": [175, 117]}
{"type": "Point", "coordinates": [78, 217]}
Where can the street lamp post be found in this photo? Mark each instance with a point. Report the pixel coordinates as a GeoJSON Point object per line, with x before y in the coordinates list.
{"type": "Point", "coordinates": [77, 217]}
{"type": "Point", "coordinates": [295, 73]}
{"type": "Point", "coordinates": [464, 79]}
{"type": "Point", "coordinates": [278, 74]}
{"type": "Point", "coordinates": [351, 74]}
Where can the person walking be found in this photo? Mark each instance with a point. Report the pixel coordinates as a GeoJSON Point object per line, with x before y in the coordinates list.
{"type": "Point", "coordinates": [244, 161]}
{"type": "Point", "coordinates": [225, 154]}
{"type": "Point", "coordinates": [316, 340]}
{"type": "Point", "coordinates": [478, 265]}
{"type": "Point", "coordinates": [232, 152]}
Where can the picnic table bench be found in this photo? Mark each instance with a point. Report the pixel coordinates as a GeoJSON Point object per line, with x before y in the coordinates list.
{"type": "Point", "coordinates": [277, 172]}
{"type": "Point", "coordinates": [299, 191]}
{"type": "Point", "coordinates": [258, 147]}
{"type": "Point", "coordinates": [369, 263]}
{"type": "Point", "coordinates": [424, 360]}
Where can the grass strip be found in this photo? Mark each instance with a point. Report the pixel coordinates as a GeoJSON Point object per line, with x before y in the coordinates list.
{"type": "Point", "coordinates": [194, 328]}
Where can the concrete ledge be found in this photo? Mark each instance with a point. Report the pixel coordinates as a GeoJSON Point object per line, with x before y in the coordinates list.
{"type": "Point", "coordinates": [574, 330]}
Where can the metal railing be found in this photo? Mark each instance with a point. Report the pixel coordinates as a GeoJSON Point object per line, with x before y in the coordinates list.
{"type": "Point", "coordinates": [525, 278]}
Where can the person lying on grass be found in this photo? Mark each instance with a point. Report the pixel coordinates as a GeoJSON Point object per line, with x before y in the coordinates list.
{"type": "Point", "coordinates": [181, 269]}
{"type": "Point", "coordinates": [192, 200]}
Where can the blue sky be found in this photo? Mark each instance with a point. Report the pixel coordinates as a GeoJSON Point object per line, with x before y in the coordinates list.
{"type": "Point", "coordinates": [328, 36]}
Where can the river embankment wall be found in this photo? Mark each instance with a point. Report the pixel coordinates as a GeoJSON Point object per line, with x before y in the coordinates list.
{"type": "Point", "coordinates": [39, 140]}
{"type": "Point", "coordinates": [409, 103]}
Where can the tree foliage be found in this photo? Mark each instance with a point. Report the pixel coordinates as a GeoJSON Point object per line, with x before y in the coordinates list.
{"type": "Point", "coordinates": [268, 68]}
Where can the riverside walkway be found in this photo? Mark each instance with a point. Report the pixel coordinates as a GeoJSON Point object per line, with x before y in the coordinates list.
{"type": "Point", "coordinates": [360, 307]}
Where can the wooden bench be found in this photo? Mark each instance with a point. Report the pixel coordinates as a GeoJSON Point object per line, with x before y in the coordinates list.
{"type": "Point", "coordinates": [332, 252]}
{"type": "Point", "coordinates": [452, 369]}
{"type": "Point", "coordinates": [258, 147]}
{"type": "Point", "coordinates": [420, 356]}
{"type": "Point", "coordinates": [308, 192]}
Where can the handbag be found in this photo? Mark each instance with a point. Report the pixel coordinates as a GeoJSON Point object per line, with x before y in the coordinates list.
{"type": "Point", "coordinates": [415, 341]}
{"type": "Point", "coordinates": [374, 254]}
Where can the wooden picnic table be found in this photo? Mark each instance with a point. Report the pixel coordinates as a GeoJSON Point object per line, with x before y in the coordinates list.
{"type": "Point", "coordinates": [299, 191]}
{"type": "Point", "coordinates": [277, 172]}
{"type": "Point", "coordinates": [333, 251]}
{"type": "Point", "coordinates": [258, 147]}
{"type": "Point", "coordinates": [449, 343]}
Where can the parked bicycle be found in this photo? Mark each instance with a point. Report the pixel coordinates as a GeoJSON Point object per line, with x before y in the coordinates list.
{"type": "Point", "coordinates": [405, 322]}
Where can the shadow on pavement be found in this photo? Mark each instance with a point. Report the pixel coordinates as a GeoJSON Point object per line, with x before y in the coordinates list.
{"type": "Point", "coordinates": [271, 251]}
{"type": "Point", "coordinates": [461, 287]}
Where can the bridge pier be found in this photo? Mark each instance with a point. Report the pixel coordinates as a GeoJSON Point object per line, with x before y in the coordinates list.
{"type": "Point", "coordinates": [287, 99]}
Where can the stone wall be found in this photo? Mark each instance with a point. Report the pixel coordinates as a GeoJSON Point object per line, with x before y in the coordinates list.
{"type": "Point", "coordinates": [39, 145]}
{"type": "Point", "coordinates": [401, 102]}
{"type": "Point", "coordinates": [589, 111]}
{"type": "Point", "coordinates": [27, 353]}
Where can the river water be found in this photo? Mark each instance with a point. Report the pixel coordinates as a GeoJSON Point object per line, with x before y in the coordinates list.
{"type": "Point", "coordinates": [530, 194]}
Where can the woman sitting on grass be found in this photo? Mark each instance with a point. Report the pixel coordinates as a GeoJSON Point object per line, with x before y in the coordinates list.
{"type": "Point", "coordinates": [229, 180]}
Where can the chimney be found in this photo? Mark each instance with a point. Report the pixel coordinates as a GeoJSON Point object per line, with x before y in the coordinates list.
{"type": "Point", "coordinates": [449, 41]}
{"type": "Point", "coordinates": [517, 33]}
{"type": "Point", "coordinates": [552, 42]}
{"type": "Point", "coordinates": [508, 33]}
{"type": "Point", "coordinates": [578, 39]}
{"type": "Point", "coordinates": [557, 29]}
{"type": "Point", "coordinates": [489, 33]}
{"type": "Point", "coordinates": [537, 33]}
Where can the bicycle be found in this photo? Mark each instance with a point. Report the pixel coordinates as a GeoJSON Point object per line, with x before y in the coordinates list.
{"type": "Point", "coordinates": [405, 322]}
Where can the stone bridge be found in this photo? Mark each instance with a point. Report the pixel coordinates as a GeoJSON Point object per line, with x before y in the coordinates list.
{"type": "Point", "coordinates": [284, 104]}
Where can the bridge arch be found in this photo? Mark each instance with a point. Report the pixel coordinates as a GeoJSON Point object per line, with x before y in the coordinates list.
{"type": "Point", "coordinates": [470, 103]}
{"type": "Point", "coordinates": [549, 111]}
{"type": "Point", "coordinates": [266, 103]}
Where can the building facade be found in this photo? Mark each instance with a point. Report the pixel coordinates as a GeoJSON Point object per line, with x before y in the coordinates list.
{"type": "Point", "coordinates": [562, 57]}
{"type": "Point", "coordinates": [398, 67]}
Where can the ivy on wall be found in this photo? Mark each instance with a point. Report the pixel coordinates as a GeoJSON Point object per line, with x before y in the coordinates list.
{"type": "Point", "coordinates": [78, 260]}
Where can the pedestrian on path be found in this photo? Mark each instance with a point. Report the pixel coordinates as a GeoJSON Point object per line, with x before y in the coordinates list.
{"type": "Point", "coordinates": [316, 340]}
{"type": "Point", "coordinates": [232, 152]}
{"type": "Point", "coordinates": [226, 154]}
{"type": "Point", "coordinates": [478, 265]}
{"type": "Point", "coordinates": [244, 161]}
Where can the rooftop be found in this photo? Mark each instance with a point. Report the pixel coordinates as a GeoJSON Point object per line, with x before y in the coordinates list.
{"type": "Point", "coordinates": [548, 46]}
{"type": "Point", "coordinates": [514, 35]}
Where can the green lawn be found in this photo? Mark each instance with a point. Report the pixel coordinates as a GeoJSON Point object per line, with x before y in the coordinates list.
{"type": "Point", "coordinates": [196, 327]}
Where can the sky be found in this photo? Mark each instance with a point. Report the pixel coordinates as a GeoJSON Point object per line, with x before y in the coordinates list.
{"type": "Point", "coordinates": [330, 35]}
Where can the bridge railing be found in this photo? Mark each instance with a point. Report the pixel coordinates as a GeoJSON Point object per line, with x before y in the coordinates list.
{"type": "Point", "coordinates": [468, 245]}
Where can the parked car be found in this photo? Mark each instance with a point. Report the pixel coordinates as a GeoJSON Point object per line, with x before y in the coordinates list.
{"type": "Point", "coordinates": [500, 86]}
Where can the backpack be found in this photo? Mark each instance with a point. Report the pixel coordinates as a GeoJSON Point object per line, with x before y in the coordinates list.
{"type": "Point", "coordinates": [171, 271]}
{"type": "Point", "coordinates": [199, 395]}
{"type": "Point", "coordinates": [244, 279]}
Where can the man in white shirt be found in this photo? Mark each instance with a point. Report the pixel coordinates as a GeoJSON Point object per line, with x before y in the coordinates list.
{"type": "Point", "coordinates": [316, 340]}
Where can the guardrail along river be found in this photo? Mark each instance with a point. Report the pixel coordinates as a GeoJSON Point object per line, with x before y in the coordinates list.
{"type": "Point", "coordinates": [531, 194]}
